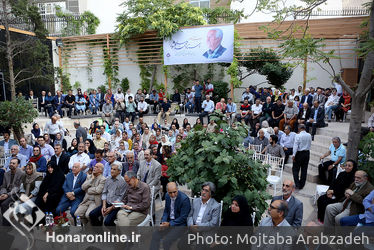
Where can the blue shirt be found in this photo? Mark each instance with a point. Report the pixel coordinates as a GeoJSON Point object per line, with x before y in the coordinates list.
{"type": "Point", "coordinates": [287, 140]}
{"type": "Point", "coordinates": [335, 153]}
{"type": "Point", "coordinates": [231, 108]}
{"type": "Point", "coordinates": [153, 97]}
{"type": "Point", "coordinates": [209, 106]}
{"type": "Point", "coordinates": [198, 89]}
{"type": "Point", "coordinates": [369, 216]}
{"type": "Point", "coordinates": [28, 151]}
{"type": "Point", "coordinates": [21, 157]}
{"type": "Point", "coordinates": [106, 171]}
{"type": "Point", "coordinates": [315, 115]}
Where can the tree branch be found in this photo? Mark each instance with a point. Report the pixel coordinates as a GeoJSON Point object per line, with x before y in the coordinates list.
{"type": "Point", "coordinates": [340, 80]}
{"type": "Point", "coordinates": [371, 85]}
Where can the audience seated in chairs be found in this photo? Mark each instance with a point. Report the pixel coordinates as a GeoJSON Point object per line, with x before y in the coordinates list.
{"type": "Point", "coordinates": [316, 119]}
{"type": "Point", "coordinates": [337, 188]}
{"type": "Point", "coordinates": [273, 148]}
{"type": "Point", "coordinates": [343, 107]}
{"type": "Point", "coordinates": [278, 212]}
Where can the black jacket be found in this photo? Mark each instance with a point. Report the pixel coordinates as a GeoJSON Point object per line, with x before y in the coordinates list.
{"type": "Point", "coordinates": [63, 163]}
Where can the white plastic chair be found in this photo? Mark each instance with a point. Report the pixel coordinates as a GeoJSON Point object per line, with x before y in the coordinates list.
{"type": "Point", "coordinates": [261, 157]}
{"type": "Point", "coordinates": [2, 161]}
{"type": "Point", "coordinates": [149, 218]}
{"type": "Point", "coordinates": [159, 196]}
{"type": "Point", "coordinates": [276, 166]}
{"type": "Point", "coordinates": [220, 212]}
{"type": "Point", "coordinates": [322, 189]}
{"type": "Point", "coordinates": [256, 148]}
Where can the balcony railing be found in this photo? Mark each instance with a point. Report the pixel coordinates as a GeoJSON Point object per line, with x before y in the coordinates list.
{"type": "Point", "coordinates": [344, 12]}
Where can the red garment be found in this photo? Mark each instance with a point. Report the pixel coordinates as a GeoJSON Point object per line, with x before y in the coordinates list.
{"type": "Point", "coordinates": [161, 96]}
{"type": "Point", "coordinates": [220, 106]}
{"type": "Point", "coordinates": [347, 100]}
{"type": "Point", "coordinates": [35, 158]}
{"type": "Point", "coordinates": [164, 169]}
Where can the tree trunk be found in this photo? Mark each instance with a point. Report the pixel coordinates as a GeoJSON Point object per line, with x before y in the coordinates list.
{"type": "Point", "coordinates": [154, 72]}
{"type": "Point", "coordinates": [357, 113]}
{"type": "Point", "coordinates": [18, 132]}
{"type": "Point", "coordinates": [9, 52]}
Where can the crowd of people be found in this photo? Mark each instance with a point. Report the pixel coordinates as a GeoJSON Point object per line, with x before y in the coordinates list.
{"type": "Point", "coordinates": [116, 160]}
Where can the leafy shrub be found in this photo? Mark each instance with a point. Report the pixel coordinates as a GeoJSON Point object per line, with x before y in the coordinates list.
{"type": "Point", "coordinates": [366, 158]}
{"type": "Point", "coordinates": [220, 158]}
{"type": "Point", "coordinates": [125, 84]}
{"type": "Point", "coordinates": [220, 90]}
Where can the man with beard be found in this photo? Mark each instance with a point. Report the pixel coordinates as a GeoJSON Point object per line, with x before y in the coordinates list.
{"type": "Point", "coordinates": [295, 207]}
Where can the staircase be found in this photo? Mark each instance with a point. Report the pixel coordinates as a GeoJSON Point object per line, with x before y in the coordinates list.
{"type": "Point", "coordinates": [320, 145]}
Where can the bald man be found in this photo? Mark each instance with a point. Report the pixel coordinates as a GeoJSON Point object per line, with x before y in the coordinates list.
{"type": "Point", "coordinates": [295, 207]}
{"type": "Point", "coordinates": [93, 186]}
{"type": "Point", "coordinates": [213, 41]}
{"type": "Point", "coordinates": [351, 204]}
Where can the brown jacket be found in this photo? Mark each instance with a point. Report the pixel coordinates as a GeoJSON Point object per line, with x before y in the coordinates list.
{"type": "Point", "coordinates": [357, 198]}
{"type": "Point", "coordinates": [12, 188]}
{"type": "Point", "coordinates": [93, 188]}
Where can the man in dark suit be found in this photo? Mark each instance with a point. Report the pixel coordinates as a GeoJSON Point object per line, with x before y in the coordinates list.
{"type": "Point", "coordinates": [304, 114]}
{"type": "Point", "coordinates": [73, 193]}
{"type": "Point", "coordinates": [295, 206]}
{"type": "Point", "coordinates": [130, 164]}
{"type": "Point", "coordinates": [214, 39]}
{"type": "Point", "coordinates": [100, 97]}
{"type": "Point", "coordinates": [59, 101]}
{"type": "Point", "coordinates": [316, 119]}
{"type": "Point", "coordinates": [307, 98]}
{"type": "Point", "coordinates": [61, 159]}
{"type": "Point", "coordinates": [177, 208]}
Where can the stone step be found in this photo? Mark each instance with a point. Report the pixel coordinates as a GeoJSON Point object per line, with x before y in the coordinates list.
{"type": "Point", "coordinates": [319, 148]}
{"type": "Point", "coordinates": [335, 129]}
{"type": "Point", "coordinates": [312, 174]}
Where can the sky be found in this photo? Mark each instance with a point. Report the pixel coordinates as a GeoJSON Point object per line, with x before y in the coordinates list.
{"type": "Point", "coordinates": [107, 11]}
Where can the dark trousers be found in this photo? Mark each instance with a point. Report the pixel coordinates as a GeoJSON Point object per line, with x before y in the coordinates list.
{"type": "Point", "coordinates": [301, 162]}
{"type": "Point", "coordinates": [70, 107]}
{"type": "Point", "coordinates": [287, 153]}
{"type": "Point", "coordinates": [59, 109]}
{"type": "Point", "coordinates": [121, 115]}
{"type": "Point", "coordinates": [96, 217]}
{"type": "Point", "coordinates": [168, 236]}
{"type": "Point", "coordinates": [155, 103]}
{"type": "Point", "coordinates": [202, 115]}
{"type": "Point", "coordinates": [322, 202]}
{"type": "Point", "coordinates": [132, 114]}
{"type": "Point", "coordinates": [275, 122]}
{"type": "Point", "coordinates": [314, 127]}
{"type": "Point", "coordinates": [198, 104]}
{"type": "Point", "coordinates": [246, 118]}
{"type": "Point", "coordinates": [322, 169]}
{"type": "Point", "coordinates": [143, 113]}
{"type": "Point", "coordinates": [5, 204]}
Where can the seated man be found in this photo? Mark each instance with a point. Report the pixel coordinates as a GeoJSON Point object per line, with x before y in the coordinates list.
{"type": "Point", "coordinates": [142, 107]}
{"type": "Point", "coordinates": [131, 108]}
{"type": "Point", "coordinates": [11, 185]}
{"type": "Point", "coordinates": [93, 186]}
{"type": "Point", "coordinates": [273, 148]}
{"type": "Point", "coordinates": [165, 110]}
{"type": "Point", "coordinates": [136, 199]}
{"type": "Point", "coordinates": [107, 114]}
{"type": "Point", "coordinates": [278, 212]}
{"type": "Point", "coordinates": [99, 140]}
{"type": "Point", "coordinates": [208, 108]}
{"type": "Point", "coordinates": [295, 207]}
{"type": "Point", "coordinates": [81, 157]}
{"type": "Point", "coordinates": [245, 112]}
{"type": "Point", "coordinates": [190, 104]}
{"type": "Point", "coordinates": [177, 208]}
{"type": "Point", "coordinates": [338, 153]}
{"type": "Point", "coordinates": [59, 101]}
{"type": "Point", "coordinates": [61, 159]}
{"type": "Point", "coordinates": [316, 120]}
{"type": "Point", "coordinates": [114, 189]}
{"type": "Point", "coordinates": [230, 111]}
{"type": "Point", "coordinates": [130, 164]}
{"type": "Point", "coordinates": [366, 218]}
{"type": "Point", "coordinates": [24, 148]}
{"type": "Point", "coordinates": [45, 149]}
{"type": "Point", "coordinates": [150, 171]}
{"type": "Point", "coordinates": [93, 102]}
{"type": "Point", "coordinates": [304, 114]}
{"type": "Point", "coordinates": [7, 143]}
{"type": "Point", "coordinates": [351, 204]}
{"type": "Point", "coordinates": [277, 113]}
{"type": "Point", "coordinates": [205, 211]}
{"type": "Point", "coordinates": [261, 139]}
{"type": "Point", "coordinates": [73, 190]}
{"type": "Point", "coordinates": [290, 115]}
{"type": "Point", "coordinates": [14, 151]}
{"type": "Point", "coordinates": [256, 113]}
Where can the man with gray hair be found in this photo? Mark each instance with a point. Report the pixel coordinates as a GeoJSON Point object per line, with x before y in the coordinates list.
{"type": "Point", "coordinates": [295, 206]}
{"type": "Point", "coordinates": [114, 188]}
{"type": "Point", "coordinates": [81, 133]}
{"type": "Point", "coordinates": [337, 152]}
{"type": "Point", "coordinates": [205, 210]}
{"type": "Point", "coordinates": [150, 171]}
{"type": "Point", "coordinates": [137, 201]}
{"type": "Point", "coordinates": [278, 211]}
{"type": "Point", "coordinates": [130, 164]}
{"type": "Point", "coordinates": [351, 204]}
{"type": "Point", "coordinates": [213, 40]}
{"type": "Point", "coordinates": [14, 150]}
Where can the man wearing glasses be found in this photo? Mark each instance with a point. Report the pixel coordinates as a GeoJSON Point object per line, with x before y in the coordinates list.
{"type": "Point", "coordinates": [205, 210]}
{"type": "Point", "coordinates": [278, 211]}
{"type": "Point", "coordinates": [337, 152]}
{"type": "Point", "coordinates": [295, 206]}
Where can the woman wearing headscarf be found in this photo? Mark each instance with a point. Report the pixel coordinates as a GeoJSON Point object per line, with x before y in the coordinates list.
{"type": "Point", "coordinates": [73, 149]}
{"type": "Point", "coordinates": [31, 181]}
{"type": "Point", "coordinates": [337, 188]}
{"type": "Point", "coordinates": [38, 159]}
{"type": "Point", "coordinates": [238, 214]}
{"type": "Point", "coordinates": [50, 191]}
{"type": "Point", "coordinates": [343, 106]}
{"type": "Point", "coordinates": [35, 131]}
{"type": "Point", "coordinates": [80, 102]}
{"type": "Point", "coordinates": [60, 140]}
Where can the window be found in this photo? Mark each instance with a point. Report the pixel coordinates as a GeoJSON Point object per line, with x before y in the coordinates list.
{"type": "Point", "coordinates": [200, 3]}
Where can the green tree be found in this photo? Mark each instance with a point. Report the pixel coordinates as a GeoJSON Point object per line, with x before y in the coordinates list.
{"type": "Point", "coordinates": [220, 158]}
{"type": "Point", "coordinates": [13, 114]}
{"type": "Point", "coordinates": [87, 22]}
{"type": "Point", "coordinates": [366, 157]}
{"type": "Point", "coordinates": [27, 57]}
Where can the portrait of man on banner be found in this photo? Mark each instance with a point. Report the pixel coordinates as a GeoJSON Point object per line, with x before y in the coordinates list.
{"type": "Point", "coordinates": [214, 39]}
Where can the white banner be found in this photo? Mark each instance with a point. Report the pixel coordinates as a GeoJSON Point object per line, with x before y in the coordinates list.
{"type": "Point", "coordinates": [200, 45]}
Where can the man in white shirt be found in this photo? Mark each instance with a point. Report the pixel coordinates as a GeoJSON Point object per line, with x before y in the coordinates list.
{"type": "Point", "coordinates": [247, 95]}
{"type": "Point", "coordinates": [119, 97]}
{"type": "Point", "coordinates": [142, 107]}
{"type": "Point", "coordinates": [81, 157]}
{"type": "Point", "coordinates": [287, 141]}
{"type": "Point", "coordinates": [331, 104]}
{"type": "Point", "coordinates": [105, 134]}
{"type": "Point", "coordinates": [256, 113]}
{"type": "Point", "coordinates": [53, 127]}
{"type": "Point", "coordinates": [14, 151]}
{"type": "Point", "coordinates": [208, 108]}
{"type": "Point", "coordinates": [128, 94]}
